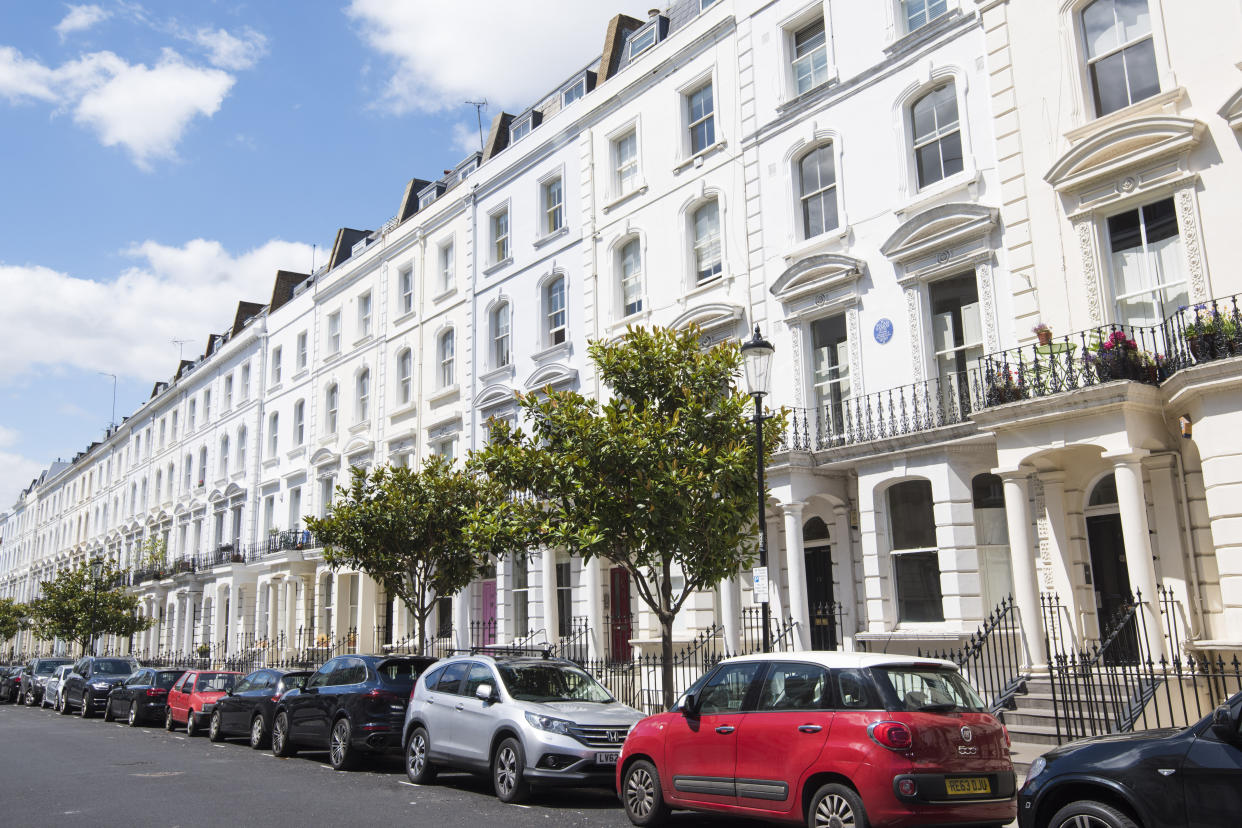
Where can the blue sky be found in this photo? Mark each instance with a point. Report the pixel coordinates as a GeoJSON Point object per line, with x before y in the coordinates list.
{"type": "Point", "coordinates": [159, 161]}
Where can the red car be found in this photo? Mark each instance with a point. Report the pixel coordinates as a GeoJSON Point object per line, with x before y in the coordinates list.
{"type": "Point", "coordinates": [191, 699]}
{"type": "Point", "coordinates": [827, 739]}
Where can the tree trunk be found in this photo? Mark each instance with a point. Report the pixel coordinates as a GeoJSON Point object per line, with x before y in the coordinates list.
{"type": "Point", "coordinates": [666, 659]}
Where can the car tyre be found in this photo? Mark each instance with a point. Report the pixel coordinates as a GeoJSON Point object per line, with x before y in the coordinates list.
{"type": "Point", "coordinates": [62, 706]}
{"type": "Point", "coordinates": [258, 732]}
{"type": "Point", "coordinates": [282, 739]}
{"type": "Point", "coordinates": [132, 718]}
{"type": "Point", "coordinates": [418, 767]}
{"type": "Point", "coordinates": [191, 726]}
{"type": "Point", "coordinates": [509, 772]}
{"type": "Point", "coordinates": [108, 717]}
{"type": "Point", "coordinates": [835, 805]}
{"type": "Point", "coordinates": [1093, 813]}
{"type": "Point", "coordinates": [341, 753]}
{"type": "Point", "coordinates": [169, 724]}
{"type": "Point", "coordinates": [214, 733]}
{"type": "Point", "coordinates": [30, 698]}
{"type": "Point", "coordinates": [85, 712]}
{"type": "Point", "coordinates": [640, 793]}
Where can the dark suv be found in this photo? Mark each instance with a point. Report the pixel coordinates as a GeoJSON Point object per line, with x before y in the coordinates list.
{"type": "Point", "coordinates": [35, 676]}
{"type": "Point", "coordinates": [92, 679]}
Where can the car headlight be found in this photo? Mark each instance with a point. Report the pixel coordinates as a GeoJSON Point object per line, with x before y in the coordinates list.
{"type": "Point", "coordinates": [549, 724]}
{"type": "Point", "coordinates": [1037, 767]}
{"type": "Point", "coordinates": [101, 685]}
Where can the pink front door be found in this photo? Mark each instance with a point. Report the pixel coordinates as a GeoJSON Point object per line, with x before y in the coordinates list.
{"type": "Point", "coordinates": [489, 613]}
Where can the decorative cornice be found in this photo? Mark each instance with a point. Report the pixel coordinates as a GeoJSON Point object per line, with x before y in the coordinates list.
{"type": "Point", "coordinates": [939, 228]}
{"type": "Point", "coordinates": [817, 274]}
{"type": "Point", "coordinates": [1122, 146]}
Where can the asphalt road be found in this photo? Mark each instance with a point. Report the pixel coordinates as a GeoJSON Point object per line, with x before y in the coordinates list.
{"type": "Point", "coordinates": [61, 770]}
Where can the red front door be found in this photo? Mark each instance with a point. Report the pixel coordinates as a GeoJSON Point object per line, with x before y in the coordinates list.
{"type": "Point", "coordinates": [622, 622]}
{"type": "Point", "coordinates": [489, 613]}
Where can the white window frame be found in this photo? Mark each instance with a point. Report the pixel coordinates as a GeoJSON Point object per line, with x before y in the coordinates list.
{"type": "Point", "coordinates": [364, 314]}
{"type": "Point", "coordinates": [446, 355]}
{"type": "Point", "coordinates": [555, 318]}
{"type": "Point", "coordinates": [579, 87]}
{"type": "Point", "coordinates": [276, 360]}
{"type": "Point", "coordinates": [640, 40]}
{"type": "Point", "coordinates": [691, 122]}
{"type": "Point", "coordinates": [331, 409]}
{"type": "Point", "coordinates": [552, 212]}
{"type": "Point", "coordinates": [245, 382]}
{"type": "Point", "coordinates": [334, 333]}
{"type": "Point", "coordinates": [405, 288]}
{"type": "Point", "coordinates": [405, 376]}
{"type": "Point", "coordinates": [625, 280]}
{"type": "Point", "coordinates": [792, 31]}
{"type": "Point", "coordinates": [228, 392]}
{"type": "Point", "coordinates": [299, 422]}
{"type": "Point", "coordinates": [362, 396]}
{"type": "Point", "coordinates": [303, 355]}
{"type": "Point", "coordinates": [500, 328]}
{"type": "Point", "coordinates": [626, 172]}
{"type": "Point", "coordinates": [1145, 260]}
{"type": "Point", "coordinates": [273, 434]}
{"type": "Point", "coordinates": [700, 247]}
{"type": "Point", "coordinates": [500, 235]}
{"type": "Point", "coordinates": [942, 132]}
{"type": "Point", "coordinates": [926, 7]}
{"type": "Point", "coordinates": [447, 265]}
{"type": "Point", "coordinates": [1085, 60]}
{"type": "Point", "coordinates": [521, 127]}
{"type": "Point", "coordinates": [834, 188]}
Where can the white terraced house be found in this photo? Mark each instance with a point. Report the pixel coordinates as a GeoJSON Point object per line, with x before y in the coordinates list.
{"type": "Point", "coordinates": [898, 193]}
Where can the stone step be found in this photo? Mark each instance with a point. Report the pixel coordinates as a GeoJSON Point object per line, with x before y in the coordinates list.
{"type": "Point", "coordinates": [1022, 754]}
{"type": "Point", "coordinates": [1034, 734]}
{"type": "Point", "coordinates": [1019, 718]}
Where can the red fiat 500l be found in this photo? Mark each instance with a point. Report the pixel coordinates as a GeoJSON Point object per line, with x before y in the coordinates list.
{"type": "Point", "coordinates": [194, 696]}
{"type": "Point", "coordinates": [826, 738]}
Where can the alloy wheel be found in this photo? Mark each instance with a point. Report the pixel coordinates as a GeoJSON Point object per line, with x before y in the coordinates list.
{"type": "Point", "coordinates": [640, 792]}
{"type": "Point", "coordinates": [338, 745]}
{"type": "Point", "coordinates": [834, 811]}
{"type": "Point", "coordinates": [416, 756]}
{"type": "Point", "coordinates": [86, 706]}
{"type": "Point", "coordinates": [506, 770]}
{"type": "Point", "coordinates": [133, 714]}
{"type": "Point", "coordinates": [213, 728]}
{"type": "Point", "coordinates": [256, 732]}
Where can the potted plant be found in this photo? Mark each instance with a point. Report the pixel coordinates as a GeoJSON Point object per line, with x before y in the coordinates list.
{"type": "Point", "coordinates": [1043, 333]}
{"type": "Point", "coordinates": [204, 650]}
{"type": "Point", "coordinates": [1210, 334]}
{"type": "Point", "coordinates": [1005, 386]}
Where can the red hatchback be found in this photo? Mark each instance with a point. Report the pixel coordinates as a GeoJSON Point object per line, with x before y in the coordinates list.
{"type": "Point", "coordinates": [192, 698]}
{"type": "Point", "coordinates": [830, 739]}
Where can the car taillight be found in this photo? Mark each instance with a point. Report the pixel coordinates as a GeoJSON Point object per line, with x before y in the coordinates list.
{"type": "Point", "coordinates": [892, 735]}
{"type": "Point", "coordinates": [156, 691]}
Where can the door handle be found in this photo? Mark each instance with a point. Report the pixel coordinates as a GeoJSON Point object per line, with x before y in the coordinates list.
{"type": "Point", "coordinates": [810, 728]}
{"type": "Point", "coordinates": [725, 729]}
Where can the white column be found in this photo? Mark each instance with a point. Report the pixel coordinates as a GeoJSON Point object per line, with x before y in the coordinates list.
{"type": "Point", "coordinates": [843, 557]}
{"type": "Point", "coordinates": [730, 614]}
{"type": "Point", "coordinates": [1058, 536]}
{"type": "Point", "coordinates": [1025, 585]}
{"type": "Point", "coordinates": [461, 618]}
{"type": "Point", "coordinates": [1141, 566]}
{"type": "Point", "coordinates": [595, 607]}
{"type": "Point", "coordinates": [273, 610]}
{"type": "Point", "coordinates": [187, 628]}
{"type": "Point", "coordinates": [547, 573]}
{"type": "Point", "coordinates": [220, 627]}
{"type": "Point", "coordinates": [368, 617]}
{"type": "Point", "coordinates": [340, 604]}
{"type": "Point", "coordinates": [795, 569]}
{"type": "Point", "coordinates": [291, 610]}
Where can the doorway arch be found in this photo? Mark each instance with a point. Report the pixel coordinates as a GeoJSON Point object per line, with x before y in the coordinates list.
{"type": "Point", "coordinates": [820, 593]}
{"type": "Point", "coordinates": [1110, 577]}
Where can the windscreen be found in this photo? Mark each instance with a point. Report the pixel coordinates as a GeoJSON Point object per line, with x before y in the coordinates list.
{"type": "Point", "coordinates": [931, 689]}
{"type": "Point", "coordinates": [113, 667]}
{"type": "Point", "coordinates": [46, 668]}
{"type": "Point", "coordinates": [551, 683]}
{"type": "Point", "coordinates": [215, 682]}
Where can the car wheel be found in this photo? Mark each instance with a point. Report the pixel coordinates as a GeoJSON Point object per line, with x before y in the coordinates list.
{"type": "Point", "coordinates": [86, 706]}
{"type": "Point", "coordinates": [341, 753]}
{"type": "Point", "coordinates": [258, 732]}
{"type": "Point", "coordinates": [836, 806]}
{"type": "Point", "coordinates": [30, 698]}
{"type": "Point", "coordinates": [132, 718]}
{"type": "Point", "coordinates": [191, 726]}
{"type": "Point", "coordinates": [509, 772]}
{"type": "Point", "coordinates": [1089, 814]}
{"type": "Point", "coordinates": [282, 739]}
{"type": "Point", "coordinates": [214, 733]}
{"type": "Point", "coordinates": [62, 706]}
{"type": "Point", "coordinates": [418, 766]}
{"type": "Point", "coordinates": [640, 792]}
{"type": "Point", "coordinates": [108, 711]}
{"type": "Point", "coordinates": [169, 724]}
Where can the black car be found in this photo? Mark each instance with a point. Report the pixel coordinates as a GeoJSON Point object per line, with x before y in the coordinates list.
{"type": "Point", "coordinates": [92, 679]}
{"type": "Point", "coordinates": [10, 683]}
{"type": "Point", "coordinates": [35, 675]}
{"type": "Point", "coordinates": [142, 697]}
{"type": "Point", "coordinates": [250, 706]}
{"type": "Point", "coordinates": [354, 704]}
{"type": "Point", "coordinates": [1172, 777]}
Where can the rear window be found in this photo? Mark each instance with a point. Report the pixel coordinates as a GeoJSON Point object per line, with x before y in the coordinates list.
{"type": "Point", "coordinates": [401, 670]}
{"type": "Point", "coordinates": [929, 689]}
{"type": "Point", "coordinates": [113, 667]}
{"type": "Point", "coordinates": [209, 682]}
{"type": "Point", "coordinates": [166, 678]}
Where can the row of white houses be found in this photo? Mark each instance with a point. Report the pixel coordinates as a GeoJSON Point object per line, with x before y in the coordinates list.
{"type": "Point", "coordinates": [896, 192]}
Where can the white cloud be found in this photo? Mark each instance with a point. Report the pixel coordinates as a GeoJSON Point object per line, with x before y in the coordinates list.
{"type": "Point", "coordinates": [51, 319]}
{"type": "Point", "coordinates": [227, 51]}
{"type": "Point", "coordinates": [145, 109]}
{"type": "Point", "coordinates": [16, 472]}
{"type": "Point", "coordinates": [447, 53]}
{"type": "Point", "coordinates": [466, 137]}
{"type": "Point", "coordinates": [80, 18]}
{"type": "Point", "coordinates": [7, 437]}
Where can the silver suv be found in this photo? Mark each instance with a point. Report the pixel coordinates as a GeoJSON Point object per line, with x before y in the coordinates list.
{"type": "Point", "coordinates": [522, 719]}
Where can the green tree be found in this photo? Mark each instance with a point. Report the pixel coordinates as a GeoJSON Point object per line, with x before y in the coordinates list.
{"type": "Point", "coordinates": [76, 607]}
{"type": "Point", "coordinates": [14, 617]}
{"type": "Point", "coordinates": [153, 554]}
{"type": "Point", "coordinates": [659, 479]}
{"type": "Point", "coordinates": [406, 529]}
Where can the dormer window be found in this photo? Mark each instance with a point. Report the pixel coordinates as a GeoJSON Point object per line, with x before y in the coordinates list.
{"type": "Point", "coordinates": [426, 199]}
{"type": "Point", "coordinates": [522, 126]}
{"type": "Point", "coordinates": [641, 41]}
{"type": "Point", "coordinates": [574, 92]}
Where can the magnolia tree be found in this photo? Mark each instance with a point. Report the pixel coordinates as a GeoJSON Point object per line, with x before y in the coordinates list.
{"type": "Point", "coordinates": [407, 530]}
{"type": "Point", "coordinates": [659, 479]}
{"type": "Point", "coordinates": [75, 606]}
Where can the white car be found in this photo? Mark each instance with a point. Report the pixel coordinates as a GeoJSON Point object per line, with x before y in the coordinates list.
{"type": "Point", "coordinates": [51, 692]}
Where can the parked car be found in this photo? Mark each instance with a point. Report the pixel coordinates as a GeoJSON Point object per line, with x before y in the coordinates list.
{"type": "Point", "coordinates": [249, 708]}
{"type": "Point", "coordinates": [10, 683]}
{"type": "Point", "coordinates": [51, 690]}
{"type": "Point", "coordinates": [143, 696]}
{"type": "Point", "coordinates": [191, 693]}
{"type": "Point", "coordinates": [353, 704]}
{"type": "Point", "coordinates": [90, 681]}
{"type": "Point", "coordinates": [1172, 777]}
{"type": "Point", "coordinates": [35, 676]}
{"type": "Point", "coordinates": [520, 719]}
{"type": "Point", "coordinates": [824, 739]}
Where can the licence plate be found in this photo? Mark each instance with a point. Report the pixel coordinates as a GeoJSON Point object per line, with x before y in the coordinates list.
{"type": "Point", "coordinates": [609, 758]}
{"type": "Point", "coordinates": [968, 786]}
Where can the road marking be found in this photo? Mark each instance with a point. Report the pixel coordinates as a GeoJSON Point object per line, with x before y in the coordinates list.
{"type": "Point", "coordinates": [159, 774]}
{"type": "Point", "coordinates": [412, 785]}
{"type": "Point", "coordinates": [326, 767]}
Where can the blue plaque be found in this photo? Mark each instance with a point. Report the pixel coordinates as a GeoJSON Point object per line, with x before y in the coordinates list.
{"type": "Point", "coordinates": [883, 330]}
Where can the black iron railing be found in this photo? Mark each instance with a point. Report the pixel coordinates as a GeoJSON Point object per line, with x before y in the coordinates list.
{"type": "Point", "coordinates": [993, 659]}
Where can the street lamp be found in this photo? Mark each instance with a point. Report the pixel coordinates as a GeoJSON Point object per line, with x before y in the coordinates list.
{"type": "Point", "coordinates": [97, 564]}
{"type": "Point", "coordinates": [757, 361]}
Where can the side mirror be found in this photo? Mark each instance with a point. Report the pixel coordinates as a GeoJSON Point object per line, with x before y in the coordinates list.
{"type": "Point", "coordinates": [690, 705]}
{"type": "Point", "coordinates": [484, 693]}
{"type": "Point", "coordinates": [1225, 724]}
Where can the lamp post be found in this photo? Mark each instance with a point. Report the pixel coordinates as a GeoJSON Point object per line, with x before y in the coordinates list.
{"type": "Point", "coordinates": [757, 361]}
{"type": "Point", "coordinates": [96, 572]}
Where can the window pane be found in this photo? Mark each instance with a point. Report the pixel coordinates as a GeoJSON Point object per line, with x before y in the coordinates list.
{"type": "Point", "coordinates": [791, 686]}
{"type": "Point", "coordinates": [910, 515]}
{"type": "Point", "coordinates": [1133, 18]}
{"type": "Point", "coordinates": [1108, 81]}
{"type": "Point", "coordinates": [1141, 70]}
{"type": "Point", "coordinates": [918, 586]}
{"type": "Point", "coordinates": [927, 159]}
{"type": "Point", "coordinates": [951, 154]}
{"type": "Point", "coordinates": [726, 691]}
{"type": "Point", "coordinates": [1099, 27]}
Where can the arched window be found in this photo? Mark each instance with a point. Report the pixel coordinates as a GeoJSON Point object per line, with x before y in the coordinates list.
{"type": "Point", "coordinates": [273, 434]}
{"type": "Point", "coordinates": [331, 404]}
{"type": "Point", "coordinates": [937, 134]}
{"type": "Point", "coordinates": [916, 563]}
{"type": "Point", "coordinates": [554, 309]}
{"type": "Point", "coordinates": [1120, 53]}
{"type": "Point", "coordinates": [363, 395]}
{"type": "Point", "coordinates": [706, 222]}
{"type": "Point", "coordinates": [447, 352]}
{"type": "Point", "coordinates": [1104, 493]}
{"type": "Point", "coordinates": [817, 180]}
{"type": "Point", "coordinates": [631, 269]}
{"type": "Point", "coordinates": [405, 376]}
{"type": "Point", "coordinates": [499, 325]}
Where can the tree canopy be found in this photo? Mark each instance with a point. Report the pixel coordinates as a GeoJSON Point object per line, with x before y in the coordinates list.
{"type": "Point", "coordinates": [75, 607]}
{"type": "Point", "coordinates": [659, 479]}
{"type": "Point", "coordinates": [14, 617]}
{"type": "Point", "coordinates": [407, 530]}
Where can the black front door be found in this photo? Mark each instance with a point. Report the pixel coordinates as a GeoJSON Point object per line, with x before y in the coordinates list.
{"type": "Point", "coordinates": [1111, 582]}
{"type": "Point", "coordinates": [820, 598]}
